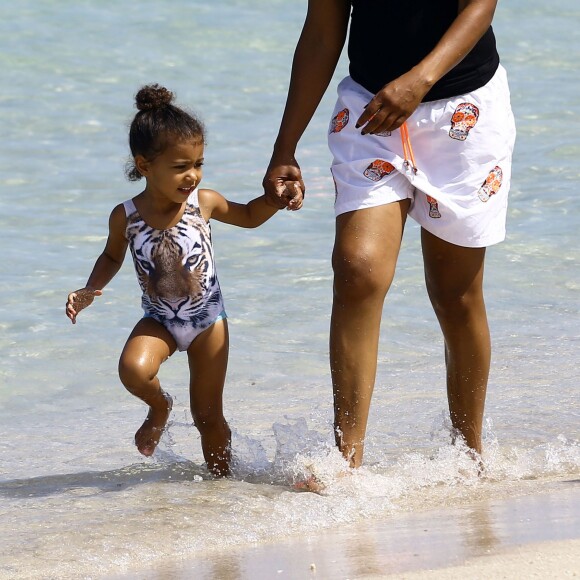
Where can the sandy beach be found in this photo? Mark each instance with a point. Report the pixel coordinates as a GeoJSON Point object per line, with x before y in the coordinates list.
{"type": "Point", "coordinates": [531, 536]}
{"type": "Point", "coordinates": [544, 560]}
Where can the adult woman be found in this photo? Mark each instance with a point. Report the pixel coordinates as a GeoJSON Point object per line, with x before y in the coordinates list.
{"type": "Point", "coordinates": [422, 127]}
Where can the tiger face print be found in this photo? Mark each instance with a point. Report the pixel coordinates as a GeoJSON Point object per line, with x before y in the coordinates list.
{"type": "Point", "coordinates": [175, 268]}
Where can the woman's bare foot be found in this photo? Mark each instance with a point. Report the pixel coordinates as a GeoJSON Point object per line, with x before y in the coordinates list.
{"type": "Point", "coordinates": [149, 434]}
{"type": "Point", "coordinates": [472, 454]}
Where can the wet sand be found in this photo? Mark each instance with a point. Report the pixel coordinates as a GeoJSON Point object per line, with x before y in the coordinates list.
{"type": "Point", "coordinates": [532, 536]}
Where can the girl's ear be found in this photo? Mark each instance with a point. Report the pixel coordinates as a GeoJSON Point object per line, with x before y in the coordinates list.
{"type": "Point", "coordinates": [142, 165]}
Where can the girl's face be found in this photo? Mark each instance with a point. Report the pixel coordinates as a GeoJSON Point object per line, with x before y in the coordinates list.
{"type": "Point", "coordinates": [176, 172]}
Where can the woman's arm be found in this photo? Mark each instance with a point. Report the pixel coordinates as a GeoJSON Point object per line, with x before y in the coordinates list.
{"type": "Point", "coordinates": [315, 60]}
{"type": "Point", "coordinates": [105, 268]}
{"type": "Point", "coordinates": [397, 100]}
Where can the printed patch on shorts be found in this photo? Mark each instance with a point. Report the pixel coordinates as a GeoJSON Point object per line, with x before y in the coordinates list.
{"type": "Point", "coordinates": [491, 184]}
{"type": "Point", "coordinates": [340, 121]}
{"type": "Point", "coordinates": [433, 207]}
{"type": "Point", "coordinates": [378, 169]}
{"type": "Point", "coordinates": [463, 120]}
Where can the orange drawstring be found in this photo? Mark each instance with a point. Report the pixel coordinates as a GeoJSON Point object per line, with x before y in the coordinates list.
{"type": "Point", "coordinates": [407, 149]}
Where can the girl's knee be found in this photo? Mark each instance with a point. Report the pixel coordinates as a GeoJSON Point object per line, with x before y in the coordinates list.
{"type": "Point", "coordinates": [134, 373]}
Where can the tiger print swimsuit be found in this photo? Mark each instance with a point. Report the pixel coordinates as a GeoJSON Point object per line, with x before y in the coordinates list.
{"type": "Point", "coordinates": [176, 271]}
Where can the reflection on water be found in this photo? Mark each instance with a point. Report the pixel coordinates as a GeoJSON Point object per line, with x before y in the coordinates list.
{"type": "Point", "coordinates": [408, 542]}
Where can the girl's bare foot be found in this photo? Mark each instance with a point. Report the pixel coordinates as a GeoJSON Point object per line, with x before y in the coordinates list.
{"type": "Point", "coordinates": [149, 434]}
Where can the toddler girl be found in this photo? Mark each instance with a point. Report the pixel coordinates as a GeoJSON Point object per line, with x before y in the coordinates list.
{"type": "Point", "coordinates": [167, 230]}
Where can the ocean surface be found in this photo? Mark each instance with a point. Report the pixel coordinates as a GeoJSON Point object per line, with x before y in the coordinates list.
{"type": "Point", "coordinates": [76, 498]}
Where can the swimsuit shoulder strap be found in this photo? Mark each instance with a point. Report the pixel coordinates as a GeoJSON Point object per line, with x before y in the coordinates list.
{"type": "Point", "coordinates": [193, 198]}
{"type": "Point", "coordinates": [129, 207]}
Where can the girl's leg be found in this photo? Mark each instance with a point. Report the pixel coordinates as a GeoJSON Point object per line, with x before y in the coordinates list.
{"type": "Point", "coordinates": [208, 361]}
{"type": "Point", "coordinates": [365, 254]}
{"type": "Point", "coordinates": [454, 277]}
{"type": "Point", "coordinates": [149, 345]}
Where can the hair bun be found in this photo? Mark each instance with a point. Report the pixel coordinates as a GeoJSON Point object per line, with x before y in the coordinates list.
{"type": "Point", "coordinates": [152, 97]}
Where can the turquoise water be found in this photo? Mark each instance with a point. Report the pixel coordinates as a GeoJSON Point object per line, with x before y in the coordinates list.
{"type": "Point", "coordinates": [73, 486]}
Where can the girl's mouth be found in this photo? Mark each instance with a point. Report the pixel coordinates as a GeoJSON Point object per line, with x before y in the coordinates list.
{"type": "Point", "coordinates": [186, 190]}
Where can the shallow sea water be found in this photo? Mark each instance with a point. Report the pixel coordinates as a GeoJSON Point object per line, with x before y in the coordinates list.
{"type": "Point", "coordinates": [77, 498]}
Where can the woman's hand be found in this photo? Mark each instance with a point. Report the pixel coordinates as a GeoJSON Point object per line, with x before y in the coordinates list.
{"type": "Point", "coordinates": [394, 104]}
{"type": "Point", "coordinates": [79, 300]}
{"type": "Point", "coordinates": [397, 100]}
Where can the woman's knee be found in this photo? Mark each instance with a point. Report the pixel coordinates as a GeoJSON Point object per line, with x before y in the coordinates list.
{"type": "Point", "coordinates": [455, 304]}
{"type": "Point", "coordinates": [360, 274]}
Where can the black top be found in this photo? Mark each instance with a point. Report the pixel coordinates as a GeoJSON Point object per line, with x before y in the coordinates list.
{"type": "Point", "coordinates": [388, 38]}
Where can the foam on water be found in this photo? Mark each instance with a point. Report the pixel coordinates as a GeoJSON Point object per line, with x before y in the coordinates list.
{"type": "Point", "coordinates": [169, 508]}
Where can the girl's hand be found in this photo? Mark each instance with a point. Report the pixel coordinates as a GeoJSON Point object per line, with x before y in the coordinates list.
{"type": "Point", "coordinates": [293, 195]}
{"type": "Point", "coordinates": [79, 300]}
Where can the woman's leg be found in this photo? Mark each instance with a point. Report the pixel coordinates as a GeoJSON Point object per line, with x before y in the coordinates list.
{"type": "Point", "coordinates": [208, 361]}
{"type": "Point", "coordinates": [365, 255]}
{"type": "Point", "coordinates": [454, 277]}
{"type": "Point", "coordinates": [149, 345]}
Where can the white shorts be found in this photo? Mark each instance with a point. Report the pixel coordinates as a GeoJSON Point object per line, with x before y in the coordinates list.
{"type": "Point", "coordinates": [463, 152]}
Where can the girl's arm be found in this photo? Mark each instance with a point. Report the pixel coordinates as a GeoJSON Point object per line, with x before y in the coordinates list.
{"type": "Point", "coordinates": [315, 59]}
{"type": "Point", "coordinates": [105, 268]}
{"type": "Point", "coordinates": [245, 215]}
{"type": "Point", "coordinates": [397, 100]}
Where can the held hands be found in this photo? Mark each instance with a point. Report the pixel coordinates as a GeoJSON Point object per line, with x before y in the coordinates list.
{"type": "Point", "coordinates": [79, 300]}
{"type": "Point", "coordinates": [283, 185]}
{"type": "Point", "coordinates": [293, 195]}
{"type": "Point", "coordinates": [393, 104]}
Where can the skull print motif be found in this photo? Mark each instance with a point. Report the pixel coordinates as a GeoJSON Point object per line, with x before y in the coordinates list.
{"type": "Point", "coordinates": [433, 207]}
{"type": "Point", "coordinates": [491, 184]}
{"type": "Point", "coordinates": [463, 120]}
{"type": "Point", "coordinates": [339, 121]}
{"type": "Point", "coordinates": [378, 169]}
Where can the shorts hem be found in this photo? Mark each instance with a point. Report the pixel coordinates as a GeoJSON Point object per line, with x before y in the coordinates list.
{"type": "Point", "coordinates": [367, 204]}
{"type": "Point", "coordinates": [479, 243]}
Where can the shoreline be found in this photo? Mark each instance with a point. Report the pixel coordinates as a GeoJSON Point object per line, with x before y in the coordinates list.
{"type": "Point", "coordinates": [536, 535]}
{"type": "Point", "coordinates": [545, 560]}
